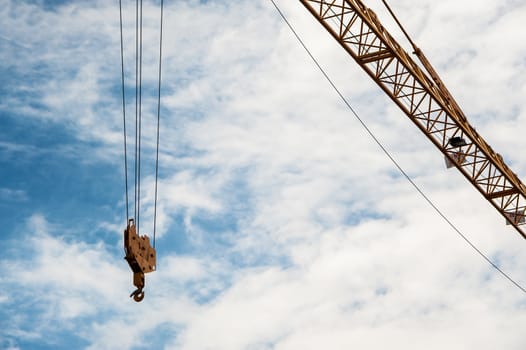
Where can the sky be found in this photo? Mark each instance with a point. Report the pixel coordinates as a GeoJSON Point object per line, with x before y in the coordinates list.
{"type": "Point", "coordinates": [281, 224]}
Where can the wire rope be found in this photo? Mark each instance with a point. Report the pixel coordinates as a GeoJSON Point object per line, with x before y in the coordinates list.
{"type": "Point", "coordinates": [136, 98]}
{"type": "Point", "coordinates": [388, 154]}
{"type": "Point", "coordinates": [124, 114]}
{"type": "Point", "coordinates": [158, 124]}
{"type": "Point", "coordinates": [138, 113]}
{"type": "Point", "coordinates": [140, 122]}
{"type": "Point", "coordinates": [399, 24]}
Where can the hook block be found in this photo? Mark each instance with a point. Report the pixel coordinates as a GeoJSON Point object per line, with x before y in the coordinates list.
{"type": "Point", "coordinates": [140, 255]}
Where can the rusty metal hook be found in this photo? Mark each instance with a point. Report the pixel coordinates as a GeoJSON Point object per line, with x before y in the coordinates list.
{"type": "Point", "coordinates": [138, 295]}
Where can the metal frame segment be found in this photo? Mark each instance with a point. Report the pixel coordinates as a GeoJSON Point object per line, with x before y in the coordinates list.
{"type": "Point", "coordinates": [425, 100]}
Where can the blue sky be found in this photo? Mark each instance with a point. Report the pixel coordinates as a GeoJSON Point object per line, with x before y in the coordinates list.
{"type": "Point", "coordinates": [281, 223]}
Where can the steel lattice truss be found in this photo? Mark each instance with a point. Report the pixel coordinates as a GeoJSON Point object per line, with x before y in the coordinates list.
{"type": "Point", "coordinates": [425, 100]}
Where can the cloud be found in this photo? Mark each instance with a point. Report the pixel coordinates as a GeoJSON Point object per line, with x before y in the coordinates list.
{"type": "Point", "coordinates": [69, 275]}
{"type": "Point", "coordinates": [7, 194]}
{"type": "Point", "coordinates": [281, 224]}
{"type": "Point", "coordinates": [349, 289]}
{"type": "Point", "coordinates": [60, 285]}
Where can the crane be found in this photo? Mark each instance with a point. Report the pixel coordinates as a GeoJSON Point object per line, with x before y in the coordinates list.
{"type": "Point", "coordinates": [424, 98]}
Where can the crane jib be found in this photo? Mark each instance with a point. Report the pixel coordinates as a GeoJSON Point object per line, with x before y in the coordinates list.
{"type": "Point", "coordinates": [424, 98]}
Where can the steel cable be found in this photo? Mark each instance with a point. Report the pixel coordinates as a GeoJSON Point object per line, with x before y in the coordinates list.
{"type": "Point", "coordinates": [140, 124]}
{"type": "Point", "coordinates": [136, 98]}
{"type": "Point", "coordinates": [158, 124]}
{"type": "Point", "coordinates": [124, 114]}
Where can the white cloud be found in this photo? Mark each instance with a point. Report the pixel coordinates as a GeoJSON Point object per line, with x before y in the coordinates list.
{"type": "Point", "coordinates": [71, 275]}
{"type": "Point", "coordinates": [331, 247]}
{"type": "Point", "coordinates": [7, 194]}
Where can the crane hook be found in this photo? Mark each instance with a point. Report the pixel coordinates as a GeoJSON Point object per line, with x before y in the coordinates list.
{"type": "Point", "coordinates": [138, 295]}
